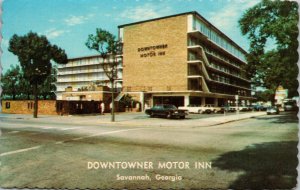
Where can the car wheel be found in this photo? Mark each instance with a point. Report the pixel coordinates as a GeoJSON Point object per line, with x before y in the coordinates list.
{"type": "Point", "coordinates": [152, 114]}
{"type": "Point", "coordinates": [168, 115]}
{"type": "Point", "coordinates": [208, 111]}
{"type": "Point", "coordinates": [182, 117]}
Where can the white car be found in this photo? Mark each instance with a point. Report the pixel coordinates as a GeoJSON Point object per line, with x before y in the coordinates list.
{"type": "Point", "coordinates": [193, 108]}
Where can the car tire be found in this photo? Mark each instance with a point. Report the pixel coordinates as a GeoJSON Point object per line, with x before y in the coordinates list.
{"type": "Point", "coordinates": [151, 114]}
{"type": "Point", "coordinates": [168, 115]}
{"type": "Point", "coordinates": [182, 117]}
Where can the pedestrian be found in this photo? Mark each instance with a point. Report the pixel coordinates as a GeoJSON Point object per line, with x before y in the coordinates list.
{"type": "Point", "coordinates": [102, 107]}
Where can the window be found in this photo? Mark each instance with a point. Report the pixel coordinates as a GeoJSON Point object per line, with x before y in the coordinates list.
{"type": "Point", "coordinates": [30, 105]}
{"type": "Point", "coordinates": [215, 37]}
{"type": "Point", "coordinates": [7, 105]}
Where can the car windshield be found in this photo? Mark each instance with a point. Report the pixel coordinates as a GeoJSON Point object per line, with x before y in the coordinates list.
{"type": "Point", "coordinates": [170, 106]}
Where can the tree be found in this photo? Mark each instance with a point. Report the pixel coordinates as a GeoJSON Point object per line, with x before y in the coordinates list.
{"type": "Point", "coordinates": [264, 96]}
{"type": "Point", "coordinates": [10, 82]}
{"type": "Point", "coordinates": [14, 84]}
{"type": "Point", "coordinates": [47, 90]}
{"type": "Point", "coordinates": [35, 54]}
{"type": "Point", "coordinates": [109, 48]}
{"type": "Point", "coordinates": [272, 21]}
{"type": "Point", "coordinates": [25, 88]}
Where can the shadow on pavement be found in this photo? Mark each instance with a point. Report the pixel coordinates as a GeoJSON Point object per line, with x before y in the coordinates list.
{"type": "Point", "coordinates": [286, 118]}
{"type": "Point", "coordinates": [265, 166]}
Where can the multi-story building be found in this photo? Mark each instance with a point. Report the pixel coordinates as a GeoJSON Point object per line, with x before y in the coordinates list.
{"type": "Point", "coordinates": [182, 59]}
{"type": "Point", "coordinates": [83, 80]}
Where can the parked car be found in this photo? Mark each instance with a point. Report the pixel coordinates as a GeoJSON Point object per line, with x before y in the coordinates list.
{"type": "Point", "coordinates": [166, 110]}
{"type": "Point", "coordinates": [290, 106]}
{"type": "Point", "coordinates": [200, 109]}
{"type": "Point", "coordinates": [241, 108]}
{"type": "Point", "coordinates": [192, 108]}
{"type": "Point", "coordinates": [259, 108]}
{"type": "Point", "coordinates": [251, 108]}
{"type": "Point", "coordinates": [272, 110]}
{"type": "Point", "coordinates": [229, 108]}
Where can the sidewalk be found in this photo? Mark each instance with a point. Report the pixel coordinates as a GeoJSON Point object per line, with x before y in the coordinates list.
{"type": "Point", "coordinates": [134, 119]}
{"type": "Point", "coordinates": [201, 122]}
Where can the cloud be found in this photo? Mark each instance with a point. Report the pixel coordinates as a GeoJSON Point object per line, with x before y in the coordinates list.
{"type": "Point", "coordinates": [146, 11]}
{"type": "Point", "coordinates": [54, 33]}
{"type": "Point", "coordinates": [4, 44]}
{"type": "Point", "coordinates": [75, 20]}
{"type": "Point", "coordinates": [227, 18]}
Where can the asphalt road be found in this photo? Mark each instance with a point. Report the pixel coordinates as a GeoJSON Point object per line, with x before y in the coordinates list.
{"type": "Point", "coordinates": [253, 153]}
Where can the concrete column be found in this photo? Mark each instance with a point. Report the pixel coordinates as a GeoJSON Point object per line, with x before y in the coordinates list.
{"type": "Point", "coordinates": [186, 100]}
{"type": "Point", "coordinates": [248, 102]}
{"type": "Point", "coordinates": [202, 101]}
{"type": "Point", "coordinates": [142, 101]}
{"type": "Point", "coordinates": [216, 102]}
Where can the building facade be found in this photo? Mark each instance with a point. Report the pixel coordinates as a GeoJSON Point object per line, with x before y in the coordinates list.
{"type": "Point", "coordinates": [84, 78]}
{"type": "Point", "coordinates": [82, 85]}
{"type": "Point", "coordinates": [182, 59]}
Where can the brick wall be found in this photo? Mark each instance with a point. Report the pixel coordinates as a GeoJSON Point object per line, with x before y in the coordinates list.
{"type": "Point", "coordinates": [45, 107]}
{"type": "Point", "coordinates": [166, 72]}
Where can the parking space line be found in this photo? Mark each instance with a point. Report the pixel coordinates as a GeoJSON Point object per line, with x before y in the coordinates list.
{"type": "Point", "coordinates": [20, 150]}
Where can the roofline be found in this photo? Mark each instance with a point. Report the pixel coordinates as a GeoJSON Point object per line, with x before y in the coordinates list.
{"type": "Point", "coordinates": [154, 19]}
{"type": "Point", "coordinates": [186, 13]}
{"type": "Point", "coordinates": [84, 57]}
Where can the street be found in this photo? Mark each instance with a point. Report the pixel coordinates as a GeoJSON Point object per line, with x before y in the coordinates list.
{"type": "Point", "coordinates": [258, 152]}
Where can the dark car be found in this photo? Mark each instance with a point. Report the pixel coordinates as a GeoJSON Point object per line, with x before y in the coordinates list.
{"type": "Point", "coordinates": [290, 106]}
{"type": "Point", "coordinates": [166, 110]}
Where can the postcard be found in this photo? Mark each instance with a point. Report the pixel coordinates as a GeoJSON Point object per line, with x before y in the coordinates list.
{"type": "Point", "coordinates": [149, 94]}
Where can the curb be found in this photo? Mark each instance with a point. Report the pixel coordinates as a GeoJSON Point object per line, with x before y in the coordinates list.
{"type": "Point", "coordinates": [192, 123]}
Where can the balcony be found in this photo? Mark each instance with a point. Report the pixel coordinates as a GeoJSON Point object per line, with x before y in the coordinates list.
{"type": "Point", "coordinates": [196, 56]}
{"type": "Point", "coordinates": [198, 35]}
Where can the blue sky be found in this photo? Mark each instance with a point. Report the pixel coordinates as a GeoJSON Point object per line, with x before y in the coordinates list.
{"type": "Point", "coordinates": [67, 23]}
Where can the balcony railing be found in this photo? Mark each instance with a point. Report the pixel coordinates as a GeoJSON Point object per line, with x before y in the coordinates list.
{"type": "Point", "coordinates": [154, 88]}
{"type": "Point", "coordinates": [193, 57]}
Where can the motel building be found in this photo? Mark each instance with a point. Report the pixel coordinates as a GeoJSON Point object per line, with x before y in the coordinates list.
{"type": "Point", "coordinates": [179, 59]}
{"type": "Point", "coordinates": [82, 85]}
{"type": "Point", "coordinates": [182, 59]}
